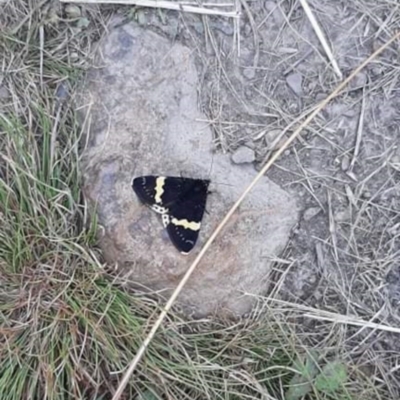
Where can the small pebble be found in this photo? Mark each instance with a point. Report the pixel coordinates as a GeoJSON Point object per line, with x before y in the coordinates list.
{"type": "Point", "coordinates": [272, 136]}
{"type": "Point", "coordinates": [395, 159]}
{"type": "Point", "coordinates": [367, 194]}
{"type": "Point", "coordinates": [342, 216]}
{"type": "Point", "coordinates": [377, 71]}
{"type": "Point", "coordinates": [249, 73]}
{"type": "Point", "coordinates": [310, 213]}
{"type": "Point", "coordinates": [73, 11]}
{"type": "Point", "coordinates": [74, 56]}
{"type": "Point", "coordinates": [294, 81]}
{"type": "Point", "coordinates": [345, 163]}
{"type": "Point", "coordinates": [360, 80]}
{"type": "Point", "coordinates": [243, 155]}
{"type": "Point", "coordinates": [62, 90]}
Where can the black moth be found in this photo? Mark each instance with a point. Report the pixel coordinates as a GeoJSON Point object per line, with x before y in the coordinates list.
{"type": "Point", "coordinates": [181, 203]}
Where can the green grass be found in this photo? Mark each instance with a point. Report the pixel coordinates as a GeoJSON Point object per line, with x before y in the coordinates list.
{"type": "Point", "coordinates": [68, 328]}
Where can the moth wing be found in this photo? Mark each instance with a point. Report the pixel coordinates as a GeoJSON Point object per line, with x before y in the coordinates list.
{"type": "Point", "coordinates": [185, 216]}
{"type": "Point", "coordinates": [159, 192]}
{"type": "Point", "coordinates": [145, 188]}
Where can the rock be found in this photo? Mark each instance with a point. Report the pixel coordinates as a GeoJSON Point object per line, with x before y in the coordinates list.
{"type": "Point", "coordinates": [72, 11]}
{"type": "Point", "coordinates": [249, 73]}
{"type": "Point", "coordinates": [342, 215]}
{"type": "Point", "coordinates": [360, 80]}
{"type": "Point", "coordinates": [310, 213]}
{"type": "Point", "coordinates": [145, 120]}
{"type": "Point", "coordinates": [273, 141]}
{"type": "Point", "coordinates": [243, 155]}
{"type": "Point", "coordinates": [294, 81]}
{"type": "Point", "coordinates": [345, 164]}
{"type": "Point", "coordinates": [394, 159]}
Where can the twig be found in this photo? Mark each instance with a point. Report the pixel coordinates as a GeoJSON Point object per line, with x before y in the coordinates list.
{"type": "Point", "coordinates": [255, 32]}
{"type": "Point", "coordinates": [170, 5]}
{"type": "Point", "coordinates": [219, 228]}
{"type": "Point", "coordinates": [321, 37]}
{"type": "Point", "coordinates": [236, 26]}
{"type": "Point", "coordinates": [310, 312]}
{"type": "Point", "coordinates": [332, 226]}
{"type": "Point", "coordinates": [359, 134]}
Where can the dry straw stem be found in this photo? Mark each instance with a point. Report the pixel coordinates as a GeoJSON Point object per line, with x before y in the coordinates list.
{"type": "Point", "coordinates": [321, 37]}
{"type": "Point", "coordinates": [169, 5]}
{"type": "Point", "coordinates": [322, 315]}
{"type": "Point", "coordinates": [262, 172]}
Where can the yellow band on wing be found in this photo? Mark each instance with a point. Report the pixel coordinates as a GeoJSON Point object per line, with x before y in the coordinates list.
{"type": "Point", "coordinates": [159, 188]}
{"type": "Point", "coordinates": [194, 226]}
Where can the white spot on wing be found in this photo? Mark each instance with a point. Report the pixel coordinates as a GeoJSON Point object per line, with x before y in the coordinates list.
{"type": "Point", "coordinates": [160, 181]}
{"type": "Point", "coordinates": [165, 220]}
{"type": "Point", "coordinates": [159, 209]}
{"type": "Point", "coordinates": [194, 226]}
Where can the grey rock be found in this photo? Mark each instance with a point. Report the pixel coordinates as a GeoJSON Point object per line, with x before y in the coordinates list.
{"type": "Point", "coordinates": [249, 73]}
{"type": "Point", "coordinates": [360, 80]}
{"type": "Point", "coordinates": [145, 120]}
{"type": "Point", "coordinates": [294, 81]}
{"type": "Point", "coordinates": [310, 213]}
{"type": "Point", "coordinates": [343, 215]}
{"type": "Point", "coordinates": [243, 155]}
{"type": "Point", "coordinates": [273, 140]}
{"type": "Point", "coordinates": [73, 11]}
{"type": "Point", "coordinates": [345, 164]}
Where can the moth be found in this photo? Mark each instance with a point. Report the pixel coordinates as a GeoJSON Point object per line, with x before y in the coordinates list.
{"type": "Point", "coordinates": [181, 203]}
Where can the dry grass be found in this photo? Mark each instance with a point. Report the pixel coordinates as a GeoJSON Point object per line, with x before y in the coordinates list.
{"type": "Point", "coordinates": [69, 327]}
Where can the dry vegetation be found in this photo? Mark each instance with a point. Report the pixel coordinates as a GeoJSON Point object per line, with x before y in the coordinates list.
{"type": "Point", "coordinates": [69, 327]}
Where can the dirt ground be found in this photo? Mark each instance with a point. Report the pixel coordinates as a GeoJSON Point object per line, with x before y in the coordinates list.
{"type": "Point", "coordinates": [343, 170]}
